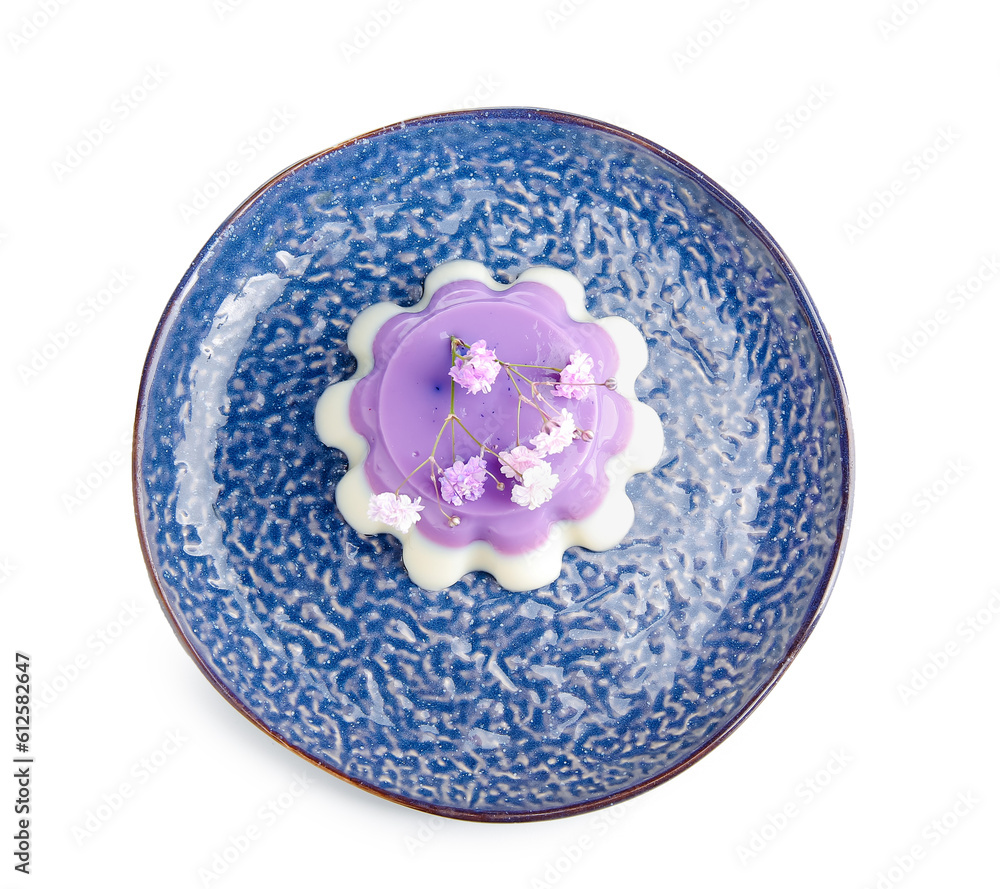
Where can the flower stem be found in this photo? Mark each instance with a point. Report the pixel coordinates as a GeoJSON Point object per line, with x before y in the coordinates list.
{"type": "Point", "coordinates": [482, 445]}
{"type": "Point", "coordinates": [414, 471]}
{"type": "Point", "coordinates": [532, 366]}
{"type": "Point", "coordinates": [534, 392]}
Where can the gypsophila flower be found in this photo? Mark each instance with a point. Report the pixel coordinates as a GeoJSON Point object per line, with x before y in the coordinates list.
{"type": "Point", "coordinates": [516, 462]}
{"type": "Point", "coordinates": [397, 511]}
{"type": "Point", "coordinates": [576, 379]}
{"type": "Point", "coordinates": [477, 370]}
{"type": "Point", "coordinates": [478, 352]}
{"type": "Point", "coordinates": [536, 486]}
{"type": "Point", "coordinates": [556, 436]}
{"type": "Point", "coordinates": [464, 481]}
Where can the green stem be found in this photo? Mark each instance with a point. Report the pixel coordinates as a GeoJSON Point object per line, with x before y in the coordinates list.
{"type": "Point", "coordinates": [437, 492]}
{"type": "Point", "coordinates": [545, 401]}
{"type": "Point", "coordinates": [413, 472]}
{"type": "Point", "coordinates": [465, 429]}
{"type": "Point", "coordinates": [533, 366]}
{"type": "Point", "coordinates": [520, 398]}
{"type": "Point", "coordinates": [454, 349]}
{"type": "Point", "coordinates": [534, 392]}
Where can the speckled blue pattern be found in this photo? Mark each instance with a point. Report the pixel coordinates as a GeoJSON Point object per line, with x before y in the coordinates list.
{"type": "Point", "coordinates": [476, 701]}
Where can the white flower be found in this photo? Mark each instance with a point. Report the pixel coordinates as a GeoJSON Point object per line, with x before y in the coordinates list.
{"type": "Point", "coordinates": [464, 481]}
{"type": "Point", "coordinates": [515, 463]}
{"type": "Point", "coordinates": [396, 511]}
{"type": "Point", "coordinates": [477, 370]}
{"type": "Point", "coordinates": [536, 487]}
{"type": "Point", "coordinates": [576, 379]}
{"type": "Point", "coordinates": [556, 436]}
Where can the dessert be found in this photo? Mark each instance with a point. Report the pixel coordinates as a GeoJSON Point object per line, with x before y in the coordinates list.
{"type": "Point", "coordinates": [541, 446]}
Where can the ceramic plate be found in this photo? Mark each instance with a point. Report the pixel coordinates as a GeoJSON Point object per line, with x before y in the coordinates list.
{"type": "Point", "coordinates": [476, 702]}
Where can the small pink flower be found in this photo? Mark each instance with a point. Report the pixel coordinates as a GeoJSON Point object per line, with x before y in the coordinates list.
{"type": "Point", "coordinates": [576, 379]}
{"type": "Point", "coordinates": [536, 486]}
{"type": "Point", "coordinates": [464, 481]}
{"type": "Point", "coordinates": [477, 370]}
{"type": "Point", "coordinates": [479, 352]}
{"type": "Point", "coordinates": [556, 436]}
{"type": "Point", "coordinates": [397, 511]}
{"type": "Point", "coordinates": [516, 462]}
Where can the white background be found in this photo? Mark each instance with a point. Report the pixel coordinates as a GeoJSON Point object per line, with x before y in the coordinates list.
{"type": "Point", "coordinates": [872, 763]}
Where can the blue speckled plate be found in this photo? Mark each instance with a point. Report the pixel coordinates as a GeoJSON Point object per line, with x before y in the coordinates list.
{"type": "Point", "coordinates": [476, 702]}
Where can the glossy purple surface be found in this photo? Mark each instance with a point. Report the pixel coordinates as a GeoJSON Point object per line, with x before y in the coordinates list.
{"type": "Point", "coordinates": [401, 405]}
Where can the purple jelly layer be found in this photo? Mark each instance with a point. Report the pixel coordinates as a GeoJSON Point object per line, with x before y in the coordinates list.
{"type": "Point", "coordinates": [401, 405]}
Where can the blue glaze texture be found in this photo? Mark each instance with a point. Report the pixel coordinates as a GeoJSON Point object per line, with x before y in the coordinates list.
{"type": "Point", "coordinates": [476, 701]}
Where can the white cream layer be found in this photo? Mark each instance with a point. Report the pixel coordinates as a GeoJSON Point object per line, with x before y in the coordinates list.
{"type": "Point", "coordinates": [435, 567]}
